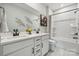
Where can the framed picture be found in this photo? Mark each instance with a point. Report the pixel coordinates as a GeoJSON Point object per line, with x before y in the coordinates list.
{"type": "Point", "coordinates": [43, 20]}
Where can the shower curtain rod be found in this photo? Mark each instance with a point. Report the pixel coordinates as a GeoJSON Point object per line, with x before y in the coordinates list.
{"type": "Point", "coordinates": [77, 9]}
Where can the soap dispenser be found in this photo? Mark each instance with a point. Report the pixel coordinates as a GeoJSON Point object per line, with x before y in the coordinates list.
{"type": "Point", "coordinates": [17, 32]}
{"type": "Point", "coordinates": [14, 32]}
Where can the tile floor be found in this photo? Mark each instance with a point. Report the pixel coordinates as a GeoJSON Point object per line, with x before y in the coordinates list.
{"type": "Point", "coordinates": [61, 52]}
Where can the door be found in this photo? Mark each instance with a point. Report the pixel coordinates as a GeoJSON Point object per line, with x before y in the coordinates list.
{"type": "Point", "coordinates": [27, 51]}
{"type": "Point", "coordinates": [45, 46]}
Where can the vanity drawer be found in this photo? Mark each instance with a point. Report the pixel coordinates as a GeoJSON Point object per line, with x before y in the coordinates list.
{"type": "Point", "coordinates": [37, 43]}
{"type": "Point", "coordinates": [38, 46]}
{"type": "Point", "coordinates": [45, 37]}
{"type": "Point", "coordinates": [39, 54]}
{"type": "Point", "coordinates": [16, 46]}
{"type": "Point", "coordinates": [37, 51]}
{"type": "Point", "coordinates": [37, 40]}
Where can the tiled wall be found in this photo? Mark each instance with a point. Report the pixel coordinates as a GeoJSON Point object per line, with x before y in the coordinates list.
{"type": "Point", "coordinates": [61, 22]}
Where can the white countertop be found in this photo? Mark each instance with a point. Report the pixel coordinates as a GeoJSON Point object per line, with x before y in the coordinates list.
{"type": "Point", "coordinates": [11, 39]}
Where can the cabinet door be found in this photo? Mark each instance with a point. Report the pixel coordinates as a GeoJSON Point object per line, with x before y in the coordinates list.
{"type": "Point", "coordinates": [1, 50]}
{"type": "Point", "coordinates": [27, 51]}
{"type": "Point", "coordinates": [10, 48]}
{"type": "Point", "coordinates": [45, 46]}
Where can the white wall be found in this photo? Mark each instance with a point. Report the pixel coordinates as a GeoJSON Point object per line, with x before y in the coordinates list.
{"type": "Point", "coordinates": [42, 10]}
{"type": "Point", "coordinates": [67, 15]}
{"type": "Point", "coordinates": [73, 6]}
{"type": "Point", "coordinates": [50, 12]}
{"type": "Point", "coordinates": [39, 7]}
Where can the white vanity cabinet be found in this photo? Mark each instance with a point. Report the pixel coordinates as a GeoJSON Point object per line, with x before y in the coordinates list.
{"type": "Point", "coordinates": [45, 44]}
{"type": "Point", "coordinates": [41, 45]}
{"type": "Point", "coordinates": [32, 46]}
{"type": "Point", "coordinates": [37, 46]}
{"type": "Point", "coordinates": [27, 51]}
{"type": "Point", "coordinates": [45, 47]}
{"type": "Point", "coordinates": [22, 48]}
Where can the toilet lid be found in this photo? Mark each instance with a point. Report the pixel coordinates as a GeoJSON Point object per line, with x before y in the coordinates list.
{"type": "Point", "coordinates": [52, 41]}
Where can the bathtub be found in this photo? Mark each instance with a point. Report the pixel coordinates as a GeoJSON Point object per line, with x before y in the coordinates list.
{"type": "Point", "coordinates": [68, 44]}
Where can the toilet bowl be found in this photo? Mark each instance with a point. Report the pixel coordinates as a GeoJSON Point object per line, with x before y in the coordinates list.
{"type": "Point", "coordinates": [52, 44]}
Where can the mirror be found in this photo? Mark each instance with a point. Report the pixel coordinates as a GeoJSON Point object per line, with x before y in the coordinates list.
{"type": "Point", "coordinates": [17, 17]}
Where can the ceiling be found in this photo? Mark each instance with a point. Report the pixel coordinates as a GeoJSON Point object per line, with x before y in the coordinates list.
{"type": "Point", "coordinates": [56, 6]}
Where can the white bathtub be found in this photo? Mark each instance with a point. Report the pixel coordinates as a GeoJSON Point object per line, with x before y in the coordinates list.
{"type": "Point", "coordinates": [68, 44]}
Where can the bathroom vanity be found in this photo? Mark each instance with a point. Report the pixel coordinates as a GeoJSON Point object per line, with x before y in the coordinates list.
{"type": "Point", "coordinates": [27, 45]}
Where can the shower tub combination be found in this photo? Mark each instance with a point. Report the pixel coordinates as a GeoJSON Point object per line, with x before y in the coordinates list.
{"type": "Point", "coordinates": [67, 44]}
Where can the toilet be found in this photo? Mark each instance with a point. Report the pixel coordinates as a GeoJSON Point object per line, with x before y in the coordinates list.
{"type": "Point", "coordinates": [52, 44]}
